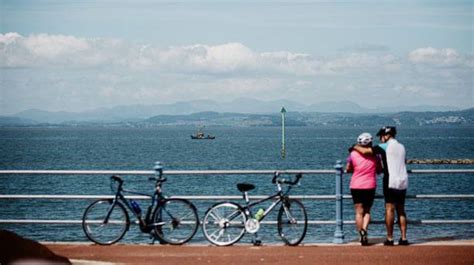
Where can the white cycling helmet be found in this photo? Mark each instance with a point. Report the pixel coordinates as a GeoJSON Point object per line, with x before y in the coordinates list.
{"type": "Point", "coordinates": [364, 139]}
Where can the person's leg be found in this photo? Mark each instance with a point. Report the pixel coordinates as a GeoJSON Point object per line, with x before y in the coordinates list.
{"type": "Point", "coordinates": [389, 219]}
{"type": "Point", "coordinates": [366, 218]}
{"type": "Point", "coordinates": [360, 223]}
{"type": "Point", "coordinates": [359, 216]}
{"type": "Point", "coordinates": [402, 220]}
{"type": "Point", "coordinates": [367, 204]}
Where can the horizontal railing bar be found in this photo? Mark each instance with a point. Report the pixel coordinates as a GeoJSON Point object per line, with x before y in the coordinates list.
{"type": "Point", "coordinates": [29, 221]}
{"type": "Point", "coordinates": [206, 172]}
{"type": "Point", "coordinates": [311, 222]}
{"type": "Point", "coordinates": [442, 196]}
{"type": "Point", "coordinates": [221, 197]}
{"type": "Point", "coordinates": [78, 172]}
{"type": "Point", "coordinates": [424, 171]}
{"type": "Point", "coordinates": [167, 172]}
{"type": "Point", "coordinates": [66, 197]}
{"type": "Point", "coordinates": [190, 197]}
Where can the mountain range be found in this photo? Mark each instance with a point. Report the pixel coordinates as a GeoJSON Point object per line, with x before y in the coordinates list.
{"type": "Point", "coordinates": [136, 113]}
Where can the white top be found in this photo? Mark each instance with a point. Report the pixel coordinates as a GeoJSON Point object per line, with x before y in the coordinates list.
{"type": "Point", "coordinates": [397, 171]}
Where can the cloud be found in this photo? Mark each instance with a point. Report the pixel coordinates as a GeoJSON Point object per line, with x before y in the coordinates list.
{"type": "Point", "coordinates": [96, 72]}
{"type": "Point", "coordinates": [439, 57]}
{"type": "Point", "coordinates": [58, 50]}
{"type": "Point", "coordinates": [224, 58]}
{"type": "Point", "coordinates": [45, 50]}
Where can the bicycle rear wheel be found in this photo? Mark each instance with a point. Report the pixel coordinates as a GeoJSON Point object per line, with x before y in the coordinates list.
{"type": "Point", "coordinates": [292, 222]}
{"type": "Point", "coordinates": [176, 221]}
{"type": "Point", "coordinates": [224, 224]}
{"type": "Point", "coordinates": [100, 230]}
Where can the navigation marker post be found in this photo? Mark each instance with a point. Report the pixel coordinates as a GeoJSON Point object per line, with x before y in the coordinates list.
{"type": "Point", "coordinates": [283, 149]}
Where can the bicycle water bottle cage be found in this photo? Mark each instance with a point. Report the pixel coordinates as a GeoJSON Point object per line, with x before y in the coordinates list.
{"type": "Point", "coordinates": [243, 187]}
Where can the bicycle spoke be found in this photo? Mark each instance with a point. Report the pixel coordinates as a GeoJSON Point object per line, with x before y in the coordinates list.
{"type": "Point", "coordinates": [220, 231]}
{"type": "Point", "coordinates": [179, 219]}
{"type": "Point", "coordinates": [217, 215]}
{"type": "Point", "coordinates": [223, 224]}
{"type": "Point", "coordinates": [292, 222]}
{"type": "Point", "coordinates": [100, 230]}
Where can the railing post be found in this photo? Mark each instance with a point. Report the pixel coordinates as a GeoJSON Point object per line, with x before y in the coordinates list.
{"type": "Point", "coordinates": [339, 233]}
{"type": "Point", "coordinates": [158, 169]}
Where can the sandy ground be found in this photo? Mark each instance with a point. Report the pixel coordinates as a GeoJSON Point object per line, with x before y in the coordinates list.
{"type": "Point", "coordinates": [449, 253]}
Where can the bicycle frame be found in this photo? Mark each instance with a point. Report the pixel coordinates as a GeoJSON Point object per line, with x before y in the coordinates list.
{"type": "Point", "coordinates": [281, 196]}
{"type": "Point", "coordinates": [145, 224]}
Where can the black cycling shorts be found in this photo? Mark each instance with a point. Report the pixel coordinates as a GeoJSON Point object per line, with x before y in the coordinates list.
{"type": "Point", "coordinates": [366, 196]}
{"type": "Point", "coordinates": [395, 196]}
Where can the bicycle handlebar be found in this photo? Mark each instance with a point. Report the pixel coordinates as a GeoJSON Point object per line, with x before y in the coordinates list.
{"type": "Point", "coordinates": [118, 179]}
{"type": "Point", "coordinates": [285, 181]}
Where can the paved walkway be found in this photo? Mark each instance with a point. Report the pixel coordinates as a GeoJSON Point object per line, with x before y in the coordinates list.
{"type": "Point", "coordinates": [449, 253]}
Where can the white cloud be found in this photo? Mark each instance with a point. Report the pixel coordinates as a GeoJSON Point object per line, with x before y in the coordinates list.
{"type": "Point", "coordinates": [99, 72]}
{"type": "Point", "coordinates": [230, 58]}
{"type": "Point", "coordinates": [47, 46]}
{"type": "Point", "coordinates": [439, 57]}
{"type": "Point", "coordinates": [224, 58]}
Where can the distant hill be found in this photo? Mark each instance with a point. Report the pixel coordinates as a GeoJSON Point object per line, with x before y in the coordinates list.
{"type": "Point", "coordinates": [221, 119]}
{"type": "Point", "coordinates": [134, 113]}
{"type": "Point", "coordinates": [13, 121]}
{"type": "Point", "coordinates": [465, 117]}
{"type": "Point", "coordinates": [241, 112]}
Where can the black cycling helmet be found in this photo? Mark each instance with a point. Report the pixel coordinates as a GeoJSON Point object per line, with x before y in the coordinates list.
{"type": "Point", "coordinates": [387, 130]}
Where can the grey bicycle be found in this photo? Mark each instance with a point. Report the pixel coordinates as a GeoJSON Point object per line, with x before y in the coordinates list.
{"type": "Point", "coordinates": [225, 223]}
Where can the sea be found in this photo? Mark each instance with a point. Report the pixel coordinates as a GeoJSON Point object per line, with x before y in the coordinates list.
{"type": "Point", "coordinates": [235, 148]}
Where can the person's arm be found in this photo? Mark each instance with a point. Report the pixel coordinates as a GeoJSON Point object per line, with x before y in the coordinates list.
{"type": "Point", "coordinates": [379, 167]}
{"type": "Point", "coordinates": [349, 167]}
{"type": "Point", "coordinates": [350, 149]}
{"type": "Point", "coordinates": [365, 150]}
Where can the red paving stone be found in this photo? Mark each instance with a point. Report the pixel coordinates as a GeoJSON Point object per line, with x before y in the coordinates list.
{"type": "Point", "coordinates": [448, 254]}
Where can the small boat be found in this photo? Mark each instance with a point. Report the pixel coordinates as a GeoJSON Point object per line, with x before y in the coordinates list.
{"type": "Point", "coordinates": [201, 136]}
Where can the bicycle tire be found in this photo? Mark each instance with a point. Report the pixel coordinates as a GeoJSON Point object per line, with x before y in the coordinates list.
{"type": "Point", "coordinates": [292, 222]}
{"type": "Point", "coordinates": [105, 233]}
{"type": "Point", "coordinates": [224, 224]}
{"type": "Point", "coordinates": [178, 221]}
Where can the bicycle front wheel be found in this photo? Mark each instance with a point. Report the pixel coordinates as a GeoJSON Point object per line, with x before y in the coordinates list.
{"type": "Point", "coordinates": [224, 224]}
{"type": "Point", "coordinates": [292, 222]}
{"type": "Point", "coordinates": [105, 223]}
{"type": "Point", "coordinates": [176, 221]}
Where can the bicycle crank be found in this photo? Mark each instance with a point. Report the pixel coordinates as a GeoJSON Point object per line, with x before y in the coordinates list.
{"type": "Point", "coordinates": [252, 225]}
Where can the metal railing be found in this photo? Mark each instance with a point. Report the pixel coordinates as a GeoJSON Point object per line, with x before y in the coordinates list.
{"type": "Point", "coordinates": [338, 196]}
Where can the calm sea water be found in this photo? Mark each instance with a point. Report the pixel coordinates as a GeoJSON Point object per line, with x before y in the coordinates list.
{"type": "Point", "coordinates": [234, 148]}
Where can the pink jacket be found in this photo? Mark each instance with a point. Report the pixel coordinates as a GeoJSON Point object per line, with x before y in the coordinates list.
{"type": "Point", "coordinates": [365, 170]}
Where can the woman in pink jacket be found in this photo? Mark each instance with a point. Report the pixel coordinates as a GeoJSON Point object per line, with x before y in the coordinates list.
{"type": "Point", "coordinates": [363, 184]}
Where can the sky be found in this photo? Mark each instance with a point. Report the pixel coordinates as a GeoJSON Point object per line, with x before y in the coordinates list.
{"type": "Point", "coordinates": [66, 55]}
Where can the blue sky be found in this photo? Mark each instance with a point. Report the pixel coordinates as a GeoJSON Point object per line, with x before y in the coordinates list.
{"type": "Point", "coordinates": [81, 55]}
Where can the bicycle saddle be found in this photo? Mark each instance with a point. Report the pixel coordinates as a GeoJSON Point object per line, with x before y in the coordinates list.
{"type": "Point", "coordinates": [243, 187]}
